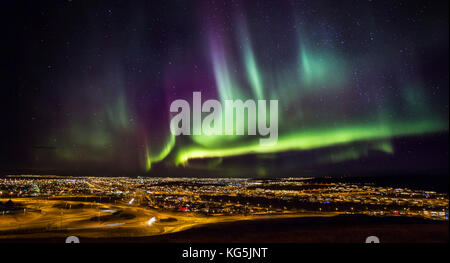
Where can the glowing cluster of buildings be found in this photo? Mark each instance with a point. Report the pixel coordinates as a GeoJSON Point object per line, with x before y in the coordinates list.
{"type": "Point", "coordinates": [232, 196]}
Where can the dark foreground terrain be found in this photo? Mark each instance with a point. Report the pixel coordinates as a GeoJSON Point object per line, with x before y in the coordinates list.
{"type": "Point", "coordinates": [340, 229]}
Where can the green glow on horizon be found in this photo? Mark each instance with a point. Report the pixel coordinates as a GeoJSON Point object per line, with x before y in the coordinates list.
{"type": "Point", "coordinates": [315, 138]}
{"type": "Point", "coordinates": [354, 152]}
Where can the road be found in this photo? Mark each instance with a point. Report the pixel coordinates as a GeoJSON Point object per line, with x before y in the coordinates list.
{"type": "Point", "coordinates": [61, 218]}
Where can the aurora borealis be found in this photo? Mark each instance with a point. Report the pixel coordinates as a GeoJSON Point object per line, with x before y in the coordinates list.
{"type": "Point", "coordinates": [96, 79]}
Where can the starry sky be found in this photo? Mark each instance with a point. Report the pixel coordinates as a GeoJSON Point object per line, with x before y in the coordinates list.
{"type": "Point", "coordinates": [89, 84]}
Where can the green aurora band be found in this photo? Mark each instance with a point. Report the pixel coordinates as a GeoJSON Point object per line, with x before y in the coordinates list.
{"type": "Point", "coordinates": [317, 138]}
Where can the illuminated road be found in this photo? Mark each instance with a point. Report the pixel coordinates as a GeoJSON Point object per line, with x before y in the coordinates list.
{"type": "Point", "coordinates": [61, 218]}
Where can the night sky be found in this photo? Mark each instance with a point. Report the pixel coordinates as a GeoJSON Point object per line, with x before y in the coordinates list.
{"type": "Point", "coordinates": [89, 83]}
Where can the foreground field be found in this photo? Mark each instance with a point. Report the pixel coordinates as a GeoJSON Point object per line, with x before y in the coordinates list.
{"type": "Point", "coordinates": [337, 229]}
{"type": "Point", "coordinates": [59, 219]}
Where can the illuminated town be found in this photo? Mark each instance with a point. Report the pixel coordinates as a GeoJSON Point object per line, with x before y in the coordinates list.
{"type": "Point", "coordinates": [143, 206]}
